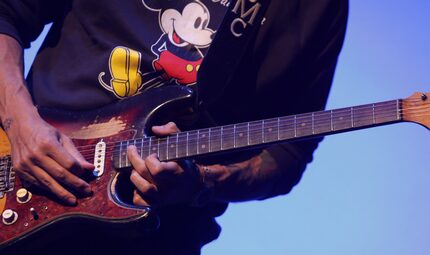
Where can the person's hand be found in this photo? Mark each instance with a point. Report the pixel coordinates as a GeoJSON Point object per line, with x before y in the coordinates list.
{"type": "Point", "coordinates": [161, 183]}
{"type": "Point", "coordinates": [45, 157]}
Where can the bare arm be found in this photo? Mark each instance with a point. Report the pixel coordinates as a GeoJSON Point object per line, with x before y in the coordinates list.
{"type": "Point", "coordinates": [40, 153]}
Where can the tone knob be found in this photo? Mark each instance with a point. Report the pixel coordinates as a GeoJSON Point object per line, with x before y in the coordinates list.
{"type": "Point", "coordinates": [23, 195]}
{"type": "Point", "coordinates": [9, 217]}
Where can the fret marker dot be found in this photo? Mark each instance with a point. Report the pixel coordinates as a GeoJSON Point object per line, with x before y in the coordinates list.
{"type": "Point", "coordinates": [203, 146]}
{"type": "Point", "coordinates": [241, 134]}
{"type": "Point", "coordinates": [203, 136]}
{"type": "Point", "coordinates": [270, 129]}
{"type": "Point", "coordinates": [340, 118]}
{"type": "Point", "coordinates": [154, 148]}
{"type": "Point", "coordinates": [303, 124]}
{"type": "Point", "coordinates": [172, 146]}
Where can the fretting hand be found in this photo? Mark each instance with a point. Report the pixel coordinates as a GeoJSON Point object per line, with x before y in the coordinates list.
{"type": "Point", "coordinates": [161, 183]}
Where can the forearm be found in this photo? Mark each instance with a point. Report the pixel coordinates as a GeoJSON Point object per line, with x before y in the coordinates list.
{"type": "Point", "coordinates": [253, 179]}
{"type": "Point", "coordinates": [15, 100]}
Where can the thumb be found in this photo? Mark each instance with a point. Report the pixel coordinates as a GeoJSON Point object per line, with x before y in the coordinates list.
{"type": "Point", "coordinates": [167, 129]}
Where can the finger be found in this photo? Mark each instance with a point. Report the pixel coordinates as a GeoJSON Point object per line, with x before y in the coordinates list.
{"type": "Point", "coordinates": [138, 199]}
{"type": "Point", "coordinates": [27, 177]}
{"type": "Point", "coordinates": [47, 181]}
{"type": "Point", "coordinates": [60, 155]}
{"type": "Point", "coordinates": [160, 170]}
{"type": "Point", "coordinates": [71, 148]}
{"type": "Point", "coordinates": [63, 175]}
{"type": "Point", "coordinates": [146, 188]}
{"type": "Point", "coordinates": [138, 163]}
{"type": "Point", "coordinates": [168, 129]}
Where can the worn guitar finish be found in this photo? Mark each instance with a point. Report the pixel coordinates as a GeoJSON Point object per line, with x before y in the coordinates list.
{"type": "Point", "coordinates": [103, 135]}
{"type": "Point", "coordinates": [123, 121]}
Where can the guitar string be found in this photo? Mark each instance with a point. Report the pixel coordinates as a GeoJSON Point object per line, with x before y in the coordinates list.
{"type": "Point", "coordinates": [138, 142]}
{"type": "Point", "coordinates": [268, 121]}
{"type": "Point", "coordinates": [299, 117]}
{"type": "Point", "coordinates": [411, 110]}
{"type": "Point", "coordinates": [253, 130]}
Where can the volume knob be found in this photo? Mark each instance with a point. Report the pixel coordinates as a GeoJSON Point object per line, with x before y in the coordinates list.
{"type": "Point", "coordinates": [23, 195]}
{"type": "Point", "coordinates": [9, 217]}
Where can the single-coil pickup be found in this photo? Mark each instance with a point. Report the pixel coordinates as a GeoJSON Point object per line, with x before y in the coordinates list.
{"type": "Point", "coordinates": [99, 159]}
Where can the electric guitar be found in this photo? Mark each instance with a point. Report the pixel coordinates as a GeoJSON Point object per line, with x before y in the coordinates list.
{"type": "Point", "coordinates": [103, 135]}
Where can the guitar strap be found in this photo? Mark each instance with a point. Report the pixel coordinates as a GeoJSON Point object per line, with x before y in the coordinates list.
{"type": "Point", "coordinates": [240, 25]}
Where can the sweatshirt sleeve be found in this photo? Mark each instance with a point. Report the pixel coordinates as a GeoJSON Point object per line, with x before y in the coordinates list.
{"type": "Point", "coordinates": [24, 19]}
{"type": "Point", "coordinates": [324, 48]}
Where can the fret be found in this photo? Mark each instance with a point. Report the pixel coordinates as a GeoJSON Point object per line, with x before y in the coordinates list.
{"type": "Point", "coordinates": [192, 143]}
{"type": "Point", "coordinates": [188, 135]}
{"type": "Point", "coordinates": [222, 133]}
{"type": "Point", "coordinates": [331, 120]}
{"type": "Point", "coordinates": [279, 127]}
{"type": "Point", "coordinates": [172, 144]}
{"type": "Point", "coordinates": [234, 136]}
{"type": "Point", "coordinates": [270, 131]}
{"type": "Point", "coordinates": [120, 156]}
{"type": "Point", "coordinates": [341, 119]}
{"type": "Point", "coordinates": [363, 115]}
{"type": "Point", "coordinates": [215, 139]}
{"type": "Point", "coordinates": [182, 145]}
{"type": "Point", "coordinates": [286, 128]}
{"type": "Point", "coordinates": [141, 148]}
{"type": "Point", "coordinates": [154, 145]}
{"type": "Point", "coordinates": [303, 125]}
{"type": "Point", "coordinates": [248, 133]}
{"type": "Point", "coordinates": [228, 137]}
{"type": "Point", "coordinates": [167, 148]}
{"type": "Point", "coordinates": [373, 114]}
{"type": "Point", "coordinates": [295, 125]}
{"type": "Point", "coordinates": [322, 122]}
{"type": "Point", "coordinates": [255, 128]}
{"type": "Point", "coordinates": [313, 123]}
{"type": "Point", "coordinates": [352, 117]}
{"type": "Point", "coordinates": [242, 135]}
{"type": "Point", "coordinates": [127, 163]}
{"type": "Point", "coordinates": [203, 141]}
{"type": "Point", "coordinates": [198, 138]}
{"type": "Point", "coordinates": [262, 132]}
{"type": "Point", "coordinates": [145, 148]}
{"type": "Point", "coordinates": [162, 148]}
{"type": "Point", "coordinates": [209, 140]}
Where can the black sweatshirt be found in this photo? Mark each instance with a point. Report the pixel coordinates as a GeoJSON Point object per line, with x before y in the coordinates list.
{"type": "Point", "coordinates": [101, 51]}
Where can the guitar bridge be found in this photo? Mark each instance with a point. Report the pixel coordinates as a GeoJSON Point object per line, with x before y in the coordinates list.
{"type": "Point", "coordinates": [7, 175]}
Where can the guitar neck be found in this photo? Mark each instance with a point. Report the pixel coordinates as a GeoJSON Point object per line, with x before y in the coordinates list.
{"type": "Point", "coordinates": [260, 133]}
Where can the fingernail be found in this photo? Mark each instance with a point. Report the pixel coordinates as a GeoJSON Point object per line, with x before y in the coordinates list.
{"type": "Point", "coordinates": [88, 190]}
{"type": "Point", "coordinates": [72, 201]}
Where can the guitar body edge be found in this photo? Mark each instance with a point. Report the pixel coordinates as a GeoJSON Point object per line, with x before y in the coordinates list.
{"type": "Point", "coordinates": [124, 120]}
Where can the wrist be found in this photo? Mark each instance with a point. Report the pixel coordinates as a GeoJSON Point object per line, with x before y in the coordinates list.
{"type": "Point", "coordinates": [205, 188]}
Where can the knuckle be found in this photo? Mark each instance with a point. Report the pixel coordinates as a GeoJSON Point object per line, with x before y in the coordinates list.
{"type": "Point", "coordinates": [45, 144]}
{"type": "Point", "coordinates": [60, 174]}
{"type": "Point", "coordinates": [157, 170]}
{"type": "Point", "coordinates": [64, 196]}
{"type": "Point", "coordinates": [136, 199]}
{"type": "Point", "coordinates": [45, 182]}
{"type": "Point", "coordinates": [81, 185]}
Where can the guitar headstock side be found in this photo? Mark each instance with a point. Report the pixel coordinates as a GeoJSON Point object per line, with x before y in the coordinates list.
{"type": "Point", "coordinates": [416, 108]}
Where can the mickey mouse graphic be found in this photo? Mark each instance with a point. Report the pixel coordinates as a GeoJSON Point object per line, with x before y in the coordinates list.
{"type": "Point", "coordinates": [185, 32]}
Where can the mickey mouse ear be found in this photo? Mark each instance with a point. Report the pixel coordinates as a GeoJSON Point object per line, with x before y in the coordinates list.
{"type": "Point", "coordinates": [154, 5]}
{"type": "Point", "coordinates": [158, 5]}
